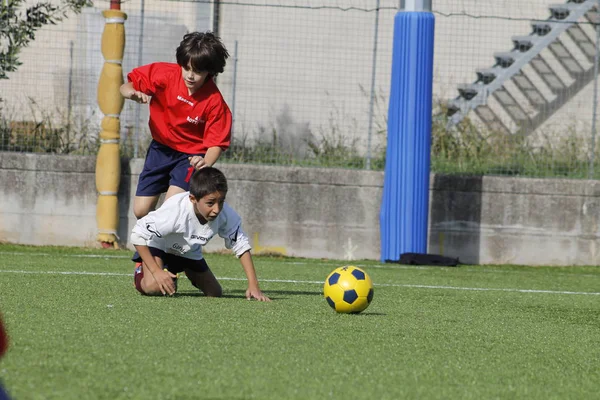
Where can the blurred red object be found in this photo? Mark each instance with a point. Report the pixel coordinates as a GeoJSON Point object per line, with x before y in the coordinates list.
{"type": "Point", "coordinates": [3, 339]}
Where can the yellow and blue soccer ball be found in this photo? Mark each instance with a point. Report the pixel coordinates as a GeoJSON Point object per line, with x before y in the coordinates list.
{"type": "Point", "coordinates": [348, 290]}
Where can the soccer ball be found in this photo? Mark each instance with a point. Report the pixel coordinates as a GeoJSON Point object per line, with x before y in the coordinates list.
{"type": "Point", "coordinates": [348, 290]}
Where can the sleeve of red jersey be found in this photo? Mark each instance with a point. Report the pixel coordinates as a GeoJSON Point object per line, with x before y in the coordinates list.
{"type": "Point", "coordinates": [217, 131]}
{"type": "Point", "coordinates": [148, 78]}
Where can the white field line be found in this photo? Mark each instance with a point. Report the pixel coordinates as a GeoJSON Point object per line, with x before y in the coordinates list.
{"type": "Point", "coordinates": [293, 281]}
{"type": "Point", "coordinates": [331, 265]}
{"type": "Point", "coordinates": [285, 262]}
{"type": "Point", "coordinates": [18, 253]}
{"type": "Point", "coordinates": [292, 263]}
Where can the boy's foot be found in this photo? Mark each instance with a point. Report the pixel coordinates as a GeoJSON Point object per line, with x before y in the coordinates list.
{"type": "Point", "coordinates": [138, 274]}
{"type": "Point", "coordinates": [136, 271]}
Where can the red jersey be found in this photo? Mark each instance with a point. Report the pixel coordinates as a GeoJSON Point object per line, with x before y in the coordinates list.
{"type": "Point", "coordinates": [186, 123]}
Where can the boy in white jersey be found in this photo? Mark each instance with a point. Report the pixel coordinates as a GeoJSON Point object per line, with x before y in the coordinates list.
{"type": "Point", "coordinates": [170, 239]}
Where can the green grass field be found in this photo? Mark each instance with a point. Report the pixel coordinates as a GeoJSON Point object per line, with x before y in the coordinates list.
{"type": "Point", "coordinates": [79, 330]}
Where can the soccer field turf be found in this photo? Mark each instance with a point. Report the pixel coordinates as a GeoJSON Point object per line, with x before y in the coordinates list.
{"type": "Point", "coordinates": [79, 330]}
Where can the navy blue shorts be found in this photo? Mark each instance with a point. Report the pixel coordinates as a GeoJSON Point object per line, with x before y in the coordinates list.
{"type": "Point", "coordinates": [175, 264]}
{"type": "Point", "coordinates": [164, 167]}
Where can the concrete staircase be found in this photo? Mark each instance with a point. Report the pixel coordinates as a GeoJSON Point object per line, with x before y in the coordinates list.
{"type": "Point", "coordinates": [527, 105]}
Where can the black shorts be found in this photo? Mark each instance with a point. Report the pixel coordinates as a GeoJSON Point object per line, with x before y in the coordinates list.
{"type": "Point", "coordinates": [164, 167]}
{"type": "Point", "coordinates": [175, 264]}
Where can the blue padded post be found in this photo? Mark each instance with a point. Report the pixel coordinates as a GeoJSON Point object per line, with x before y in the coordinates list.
{"type": "Point", "coordinates": [405, 204]}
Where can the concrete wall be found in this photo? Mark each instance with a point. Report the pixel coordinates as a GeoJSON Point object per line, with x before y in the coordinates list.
{"type": "Point", "coordinates": [50, 200]}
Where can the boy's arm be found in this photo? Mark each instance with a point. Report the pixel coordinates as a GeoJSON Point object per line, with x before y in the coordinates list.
{"type": "Point", "coordinates": [128, 91]}
{"type": "Point", "coordinates": [253, 290]}
{"type": "Point", "coordinates": [237, 240]}
{"type": "Point", "coordinates": [209, 159]}
{"type": "Point", "coordinates": [217, 134]}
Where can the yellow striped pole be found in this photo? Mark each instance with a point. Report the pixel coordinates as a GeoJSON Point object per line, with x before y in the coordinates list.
{"type": "Point", "coordinates": [110, 101]}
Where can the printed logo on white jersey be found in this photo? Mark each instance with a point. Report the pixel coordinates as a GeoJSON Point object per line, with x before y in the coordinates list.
{"type": "Point", "coordinates": [234, 235]}
{"type": "Point", "coordinates": [180, 248]}
{"type": "Point", "coordinates": [202, 239]}
{"type": "Point", "coordinates": [151, 227]}
{"type": "Point", "coordinates": [186, 101]}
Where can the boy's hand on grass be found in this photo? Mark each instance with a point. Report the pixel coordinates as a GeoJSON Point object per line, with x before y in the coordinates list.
{"type": "Point", "coordinates": [252, 293]}
{"type": "Point", "coordinates": [197, 162]}
{"type": "Point", "coordinates": [165, 281]}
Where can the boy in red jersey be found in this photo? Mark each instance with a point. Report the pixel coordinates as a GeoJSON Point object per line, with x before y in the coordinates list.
{"type": "Point", "coordinates": [190, 122]}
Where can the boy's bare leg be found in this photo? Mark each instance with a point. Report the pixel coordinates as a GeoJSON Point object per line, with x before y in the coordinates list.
{"type": "Point", "coordinates": [142, 205]}
{"type": "Point", "coordinates": [206, 282]}
{"type": "Point", "coordinates": [173, 190]}
{"type": "Point", "coordinates": [148, 283]}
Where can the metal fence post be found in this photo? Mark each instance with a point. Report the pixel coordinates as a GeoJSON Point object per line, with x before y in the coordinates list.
{"type": "Point", "coordinates": [372, 98]}
{"type": "Point", "coordinates": [234, 86]}
{"type": "Point", "coordinates": [136, 141]}
{"type": "Point", "coordinates": [595, 100]}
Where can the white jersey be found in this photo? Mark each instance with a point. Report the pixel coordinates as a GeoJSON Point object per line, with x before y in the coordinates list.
{"type": "Point", "coordinates": [175, 229]}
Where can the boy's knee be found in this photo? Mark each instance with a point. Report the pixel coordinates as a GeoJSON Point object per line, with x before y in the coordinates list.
{"type": "Point", "coordinates": [147, 289]}
{"type": "Point", "coordinates": [143, 205]}
{"type": "Point", "coordinates": [214, 292]}
{"type": "Point", "coordinates": [140, 211]}
{"type": "Point", "coordinates": [209, 291]}
{"type": "Point", "coordinates": [150, 292]}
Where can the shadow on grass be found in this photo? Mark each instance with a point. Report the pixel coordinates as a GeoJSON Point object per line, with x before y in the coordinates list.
{"type": "Point", "coordinates": [241, 294]}
{"type": "Point", "coordinates": [364, 314]}
{"type": "Point", "coordinates": [276, 295]}
{"type": "Point", "coordinates": [230, 295]}
{"type": "Point", "coordinates": [371, 314]}
{"type": "Point", "coordinates": [284, 292]}
{"type": "Point", "coordinates": [186, 397]}
{"type": "Point", "coordinates": [192, 293]}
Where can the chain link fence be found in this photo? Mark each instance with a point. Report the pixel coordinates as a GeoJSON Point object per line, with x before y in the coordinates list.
{"type": "Point", "coordinates": [308, 82]}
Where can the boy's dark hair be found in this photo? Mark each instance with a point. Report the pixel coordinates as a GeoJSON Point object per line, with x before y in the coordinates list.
{"type": "Point", "coordinates": [206, 181]}
{"type": "Point", "coordinates": [204, 51]}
